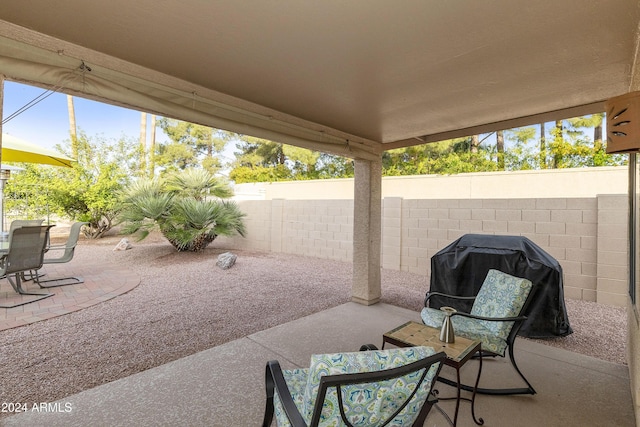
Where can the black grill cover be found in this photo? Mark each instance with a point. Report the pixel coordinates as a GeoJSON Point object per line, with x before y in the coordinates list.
{"type": "Point", "coordinates": [461, 267]}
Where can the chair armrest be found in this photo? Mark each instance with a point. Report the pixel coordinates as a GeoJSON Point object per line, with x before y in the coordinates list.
{"type": "Point", "coordinates": [440, 294]}
{"type": "Point", "coordinates": [274, 380]}
{"type": "Point", "coordinates": [490, 319]}
{"type": "Point", "coordinates": [59, 246]}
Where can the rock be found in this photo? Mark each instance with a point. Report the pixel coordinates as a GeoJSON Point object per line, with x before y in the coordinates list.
{"type": "Point", "coordinates": [226, 260]}
{"type": "Point", "coordinates": [123, 245]}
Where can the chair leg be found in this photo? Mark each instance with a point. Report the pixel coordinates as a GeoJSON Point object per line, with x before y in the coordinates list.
{"type": "Point", "coordinates": [17, 286]}
{"type": "Point", "coordinates": [497, 391]}
{"type": "Point", "coordinates": [62, 281]}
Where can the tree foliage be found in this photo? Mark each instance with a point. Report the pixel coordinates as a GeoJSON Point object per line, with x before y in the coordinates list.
{"type": "Point", "coordinates": [86, 192]}
{"type": "Point", "coordinates": [190, 146]}
{"type": "Point", "coordinates": [186, 206]}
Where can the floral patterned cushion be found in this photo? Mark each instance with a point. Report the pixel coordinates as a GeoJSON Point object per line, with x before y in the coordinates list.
{"type": "Point", "coordinates": [468, 328]}
{"type": "Point", "coordinates": [296, 380]}
{"type": "Point", "coordinates": [364, 404]}
{"type": "Point", "coordinates": [501, 295]}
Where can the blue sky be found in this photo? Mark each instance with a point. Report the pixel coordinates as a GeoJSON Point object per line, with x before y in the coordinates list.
{"type": "Point", "coordinates": [47, 123]}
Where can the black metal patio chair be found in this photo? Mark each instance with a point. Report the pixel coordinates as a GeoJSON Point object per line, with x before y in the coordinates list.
{"type": "Point", "coordinates": [495, 318]}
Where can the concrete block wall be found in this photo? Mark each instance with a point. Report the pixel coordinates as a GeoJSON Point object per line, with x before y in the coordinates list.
{"type": "Point", "coordinates": [579, 216]}
{"type": "Point", "coordinates": [586, 235]}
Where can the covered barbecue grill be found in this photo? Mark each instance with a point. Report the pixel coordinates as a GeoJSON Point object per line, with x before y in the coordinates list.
{"type": "Point", "coordinates": [461, 267]}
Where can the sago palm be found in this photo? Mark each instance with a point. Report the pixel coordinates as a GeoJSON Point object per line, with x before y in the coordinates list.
{"type": "Point", "coordinates": [185, 208]}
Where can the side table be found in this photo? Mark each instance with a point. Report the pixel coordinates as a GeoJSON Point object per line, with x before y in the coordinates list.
{"type": "Point", "coordinates": [458, 353]}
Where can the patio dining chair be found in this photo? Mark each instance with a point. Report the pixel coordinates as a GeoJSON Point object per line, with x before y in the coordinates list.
{"type": "Point", "coordinates": [25, 253]}
{"type": "Point", "coordinates": [494, 320]}
{"type": "Point", "coordinates": [68, 249]}
{"type": "Point", "coordinates": [379, 387]}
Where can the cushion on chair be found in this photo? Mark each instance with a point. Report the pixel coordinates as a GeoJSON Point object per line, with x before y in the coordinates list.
{"type": "Point", "coordinates": [501, 295]}
{"type": "Point", "coordinates": [296, 380]}
{"type": "Point", "coordinates": [468, 328]}
{"type": "Point", "coordinates": [363, 403]}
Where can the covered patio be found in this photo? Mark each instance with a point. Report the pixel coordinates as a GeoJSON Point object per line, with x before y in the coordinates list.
{"type": "Point", "coordinates": [224, 386]}
{"type": "Point", "coordinates": [351, 79]}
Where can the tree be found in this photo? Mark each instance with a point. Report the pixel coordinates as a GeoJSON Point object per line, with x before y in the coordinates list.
{"type": "Point", "coordinates": [86, 192]}
{"type": "Point", "coordinates": [143, 142]}
{"type": "Point", "coordinates": [186, 207]}
{"type": "Point", "coordinates": [73, 130]}
{"type": "Point", "coordinates": [500, 149]}
{"type": "Point", "coordinates": [152, 147]}
{"type": "Point", "coordinates": [190, 145]}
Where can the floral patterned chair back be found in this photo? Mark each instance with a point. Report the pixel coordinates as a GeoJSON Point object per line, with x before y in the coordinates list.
{"type": "Point", "coordinates": [366, 388]}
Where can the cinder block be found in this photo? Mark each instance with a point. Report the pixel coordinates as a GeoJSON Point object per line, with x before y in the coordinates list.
{"type": "Point", "coordinates": [590, 217]}
{"type": "Point", "coordinates": [613, 271]}
{"type": "Point", "coordinates": [522, 204]}
{"type": "Point", "coordinates": [613, 230]}
{"type": "Point", "coordinates": [576, 254]}
{"type": "Point", "coordinates": [589, 269]}
{"type": "Point", "coordinates": [483, 214]}
{"type": "Point", "coordinates": [613, 201]}
{"type": "Point", "coordinates": [538, 215]}
{"type": "Point", "coordinates": [495, 204]}
{"type": "Point", "coordinates": [581, 229]}
{"type": "Point", "coordinates": [448, 203]}
{"type": "Point", "coordinates": [449, 224]}
{"type": "Point", "coordinates": [612, 258]}
{"type": "Point", "coordinates": [589, 242]}
{"type": "Point", "coordinates": [612, 244]}
{"type": "Point", "coordinates": [582, 282]}
{"type": "Point", "coordinates": [613, 217]}
{"type": "Point", "coordinates": [612, 299]}
{"type": "Point", "coordinates": [570, 216]}
{"type": "Point", "coordinates": [494, 226]}
{"type": "Point", "coordinates": [551, 204]}
{"type": "Point", "coordinates": [419, 213]}
{"type": "Point", "coordinates": [391, 223]}
{"type": "Point", "coordinates": [439, 213]}
{"type": "Point", "coordinates": [572, 267]}
{"type": "Point", "coordinates": [471, 226]}
{"type": "Point", "coordinates": [436, 233]}
{"type": "Point", "coordinates": [391, 241]}
{"type": "Point", "coordinates": [509, 215]}
{"type": "Point", "coordinates": [471, 204]}
{"type": "Point", "coordinates": [573, 293]}
{"type": "Point", "coordinates": [460, 213]}
{"type": "Point", "coordinates": [426, 223]}
{"type": "Point", "coordinates": [589, 295]}
{"type": "Point", "coordinates": [582, 203]}
{"type": "Point", "coordinates": [613, 286]}
{"type": "Point", "coordinates": [392, 202]}
{"type": "Point", "coordinates": [426, 204]}
{"type": "Point", "coordinates": [392, 213]}
{"type": "Point", "coordinates": [550, 228]}
{"type": "Point", "coordinates": [564, 241]}
{"type": "Point", "coordinates": [521, 227]}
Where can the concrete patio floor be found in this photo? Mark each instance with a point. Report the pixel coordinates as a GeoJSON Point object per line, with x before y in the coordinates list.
{"type": "Point", "coordinates": [224, 386]}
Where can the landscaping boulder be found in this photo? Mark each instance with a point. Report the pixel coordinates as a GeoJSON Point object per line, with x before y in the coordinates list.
{"type": "Point", "coordinates": [123, 245]}
{"type": "Point", "coordinates": [226, 260]}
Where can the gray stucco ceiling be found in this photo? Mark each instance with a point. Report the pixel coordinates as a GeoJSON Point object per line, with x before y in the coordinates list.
{"type": "Point", "coordinates": [378, 72]}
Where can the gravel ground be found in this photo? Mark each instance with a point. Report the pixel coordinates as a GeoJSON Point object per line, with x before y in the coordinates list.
{"type": "Point", "coordinates": [186, 304]}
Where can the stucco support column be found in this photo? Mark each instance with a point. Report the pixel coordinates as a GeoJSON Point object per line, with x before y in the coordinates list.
{"type": "Point", "coordinates": [367, 231]}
